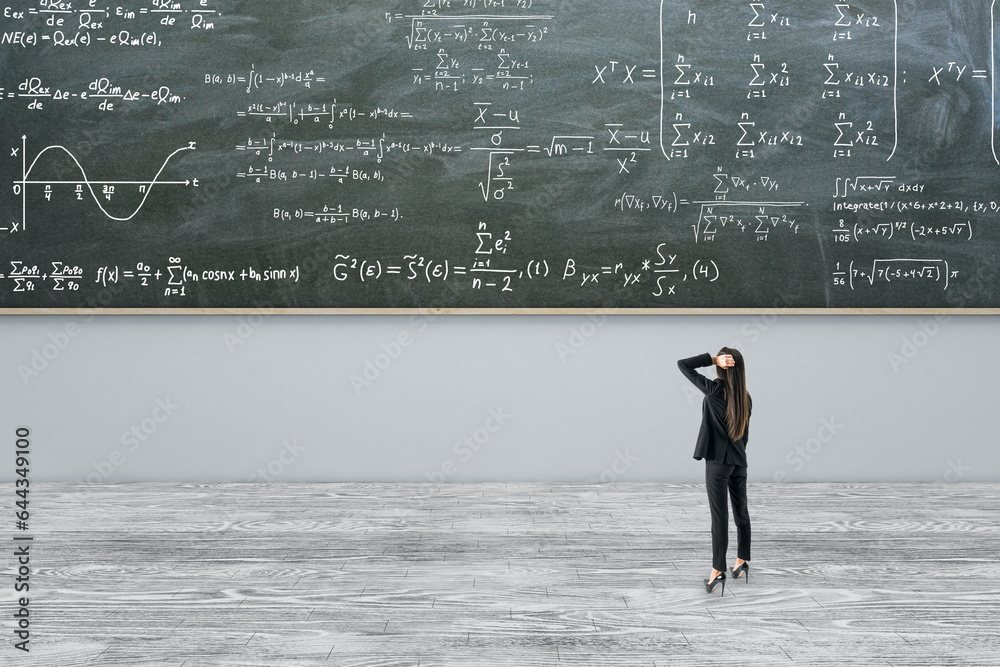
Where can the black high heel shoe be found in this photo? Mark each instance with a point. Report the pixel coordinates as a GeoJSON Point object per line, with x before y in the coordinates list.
{"type": "Point", "coordinates": [710, 585]}
{"type": "Point", "coordinates": [743, 568]}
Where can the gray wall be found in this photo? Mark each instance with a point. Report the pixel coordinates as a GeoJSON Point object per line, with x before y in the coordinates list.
{"type": "Point", "coordinates": [473, 398]}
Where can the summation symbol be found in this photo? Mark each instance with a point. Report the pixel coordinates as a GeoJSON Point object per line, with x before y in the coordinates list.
{"type": "Point", "coordinates": [107, 187]}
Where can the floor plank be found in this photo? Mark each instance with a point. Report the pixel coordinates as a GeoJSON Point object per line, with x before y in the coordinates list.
{"type": "Point", "coordinates": [366, 575]}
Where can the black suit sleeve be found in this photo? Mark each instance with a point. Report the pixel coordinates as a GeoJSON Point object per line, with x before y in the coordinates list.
{"type": "Point", "coordinates": [688, 367]}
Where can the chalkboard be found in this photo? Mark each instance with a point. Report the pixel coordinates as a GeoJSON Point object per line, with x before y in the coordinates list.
{"type": "Point", "coordinates": [499, 154]}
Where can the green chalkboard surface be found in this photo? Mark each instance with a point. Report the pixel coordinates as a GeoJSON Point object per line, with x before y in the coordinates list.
{"type": "Point", "coordinates": [498, 154]}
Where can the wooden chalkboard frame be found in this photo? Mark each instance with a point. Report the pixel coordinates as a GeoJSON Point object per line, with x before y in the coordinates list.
{"type": "Point", "coordinates": [569, 79]}
{"type": "Point", "coordinates": [500, 311]}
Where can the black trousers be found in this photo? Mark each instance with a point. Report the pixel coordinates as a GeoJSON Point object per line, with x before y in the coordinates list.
{"type": "Point", "coordinates": [718, 478]}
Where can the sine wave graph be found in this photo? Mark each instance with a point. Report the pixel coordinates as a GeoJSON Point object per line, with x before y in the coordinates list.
{"type": "Point", "coordinates": [145, 187]}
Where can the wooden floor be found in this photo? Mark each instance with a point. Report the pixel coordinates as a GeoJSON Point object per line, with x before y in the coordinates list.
{"type": "Point", "coordinates": [504, 574]}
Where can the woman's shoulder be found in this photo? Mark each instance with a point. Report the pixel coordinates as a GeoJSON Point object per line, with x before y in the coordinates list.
{"type": "Point", "coordinates": [716, 385]}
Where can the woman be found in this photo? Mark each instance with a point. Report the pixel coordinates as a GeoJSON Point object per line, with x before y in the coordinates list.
{"type": "Point", "coordinates": [725, 429]}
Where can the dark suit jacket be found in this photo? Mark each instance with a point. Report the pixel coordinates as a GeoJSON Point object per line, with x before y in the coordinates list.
{"type": "Point", "coordinates": [713, 440]}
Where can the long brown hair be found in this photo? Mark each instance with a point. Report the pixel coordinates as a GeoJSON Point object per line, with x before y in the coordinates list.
{"type": "Point", "coordinates": [737, 399]}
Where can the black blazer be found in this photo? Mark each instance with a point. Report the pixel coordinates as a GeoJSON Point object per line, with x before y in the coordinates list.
{"type": "Point", "coordinates": [713, 439]}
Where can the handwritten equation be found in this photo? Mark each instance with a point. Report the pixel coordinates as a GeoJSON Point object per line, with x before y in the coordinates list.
{"type": "Point", "coordinates": [60, 24]}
